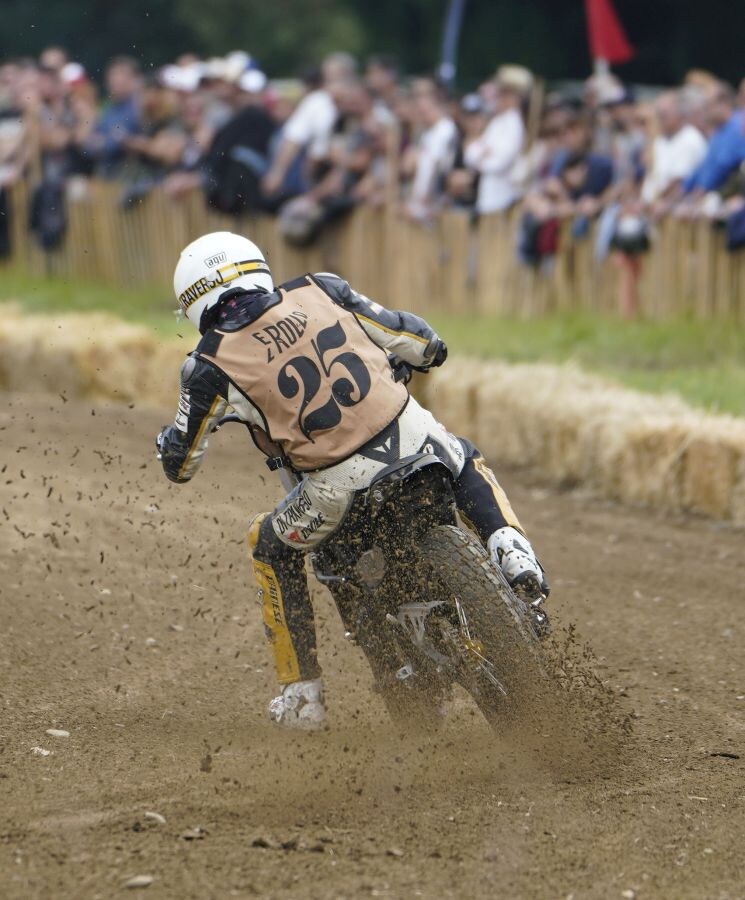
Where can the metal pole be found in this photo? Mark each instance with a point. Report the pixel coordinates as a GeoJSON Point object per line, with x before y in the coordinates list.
{"type": "Point", "coordinates": [451, 32]}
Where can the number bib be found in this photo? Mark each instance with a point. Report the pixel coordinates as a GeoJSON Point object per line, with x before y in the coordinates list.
{"type": "Point", "coordinates": [323, 388]}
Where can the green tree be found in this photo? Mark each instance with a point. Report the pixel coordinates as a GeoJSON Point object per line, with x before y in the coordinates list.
{"type": "Point", "coordinates": [549, 36]}
{"type": "Point", "coordinates": [94, 31]}
{"type": "Point", "coordinates": [284, 35]}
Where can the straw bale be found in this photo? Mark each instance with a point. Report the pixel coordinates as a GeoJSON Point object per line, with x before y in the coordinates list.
{"type": "Point", "coordinates": [571, 426]}
{"type": "Point", "coordinates": [737, 508]}
{"type": "Point", "coordinates": [498, 426]}
{"type": "Point", "coordinates": [711, 471]}
{"type": "Point", "coordinates": [87, 355]}
{"type": "Point", "coordinates": [649, 463]}
{"type": "Point", "coordinates": [578, 428]}
{"type": "Point", "coordinates": [452, 396]}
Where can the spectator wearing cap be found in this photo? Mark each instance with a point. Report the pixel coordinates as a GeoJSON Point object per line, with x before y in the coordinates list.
{"type": "Point", "coordinates": [51, 121]}
{"type": "Point", "coordinates": [177, 144]}
{"type": "Point", "coordinates": [462, 182]}
{"type": "Point", "coordinates": [120, 118]}
{"type": "Point", "coordinates": [493, 155]}
{"type": "Point", "coordinates": [218, 92]}
{"type": "Point", "coordinates": [82, 100]}
{"type": "Point", "coordinates": [198, 116]}
{"type": "Point", "coordinates": [239, 155]}
{"type": "Point", "coordinates": [68, 113]}
{"type": "Point", "coordinates": [432, 156]}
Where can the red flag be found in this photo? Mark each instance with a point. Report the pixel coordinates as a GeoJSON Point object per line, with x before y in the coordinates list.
{"type": "Point", "coordinates": [607, 38]}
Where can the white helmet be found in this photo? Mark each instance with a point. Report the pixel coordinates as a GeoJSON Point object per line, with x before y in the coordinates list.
{"type": "Point", "coordinates": [208, 265]}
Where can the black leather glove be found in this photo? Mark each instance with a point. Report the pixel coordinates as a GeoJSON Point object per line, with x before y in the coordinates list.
{"type": "Point", "coordinates": [441, 354]}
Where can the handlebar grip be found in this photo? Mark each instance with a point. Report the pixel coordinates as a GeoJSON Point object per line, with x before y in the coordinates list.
{"type": "Point", "coordinates": [401, 370]}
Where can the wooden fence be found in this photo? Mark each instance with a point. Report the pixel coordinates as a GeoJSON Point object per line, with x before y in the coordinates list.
{"type": "Point", "coordinates": [451, 266]}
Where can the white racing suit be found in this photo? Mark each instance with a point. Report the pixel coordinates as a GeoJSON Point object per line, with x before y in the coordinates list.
{"type": "Point", "coordinates": [315, 508]}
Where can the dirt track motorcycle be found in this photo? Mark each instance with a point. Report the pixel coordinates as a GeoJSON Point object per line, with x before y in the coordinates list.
{"type": "Point", "coordinates": [418, 593]}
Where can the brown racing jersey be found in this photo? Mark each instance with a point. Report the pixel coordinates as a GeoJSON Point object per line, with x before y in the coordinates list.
{"type": "Point", "coordinates": [306, 365]}
{"type": "Point", "coordinates": [322, 387]}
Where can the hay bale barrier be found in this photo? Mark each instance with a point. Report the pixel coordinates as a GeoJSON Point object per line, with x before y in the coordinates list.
{"type": "Point", "coordinates": [93, 355]}
{"type": "Point", "coordinates": [575, 428]}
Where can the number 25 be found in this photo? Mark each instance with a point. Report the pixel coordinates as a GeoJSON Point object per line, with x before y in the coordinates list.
{"type": "Point", "coordinates": [342, 389]}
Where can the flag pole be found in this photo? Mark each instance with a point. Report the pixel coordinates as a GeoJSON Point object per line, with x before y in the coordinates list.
{"type": "Point", "coordinates": [606, 36]}
{"type": "Point", "coordinates": [450, 35]}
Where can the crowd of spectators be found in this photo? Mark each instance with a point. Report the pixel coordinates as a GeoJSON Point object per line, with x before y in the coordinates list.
{"type": "Point", "coordinates": [608, 162]}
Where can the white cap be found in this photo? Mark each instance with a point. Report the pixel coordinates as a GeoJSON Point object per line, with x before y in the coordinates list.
{"type": "Point", "coordinates": [516, 78]}
{"type": "Point", "coordinates": [210, 265]}
{"type": "Point", "coordinates": [216, 68]}
{"type": "Point", "coordinates": [252, 81]}
{"type": "Point", "coordinates": [236, 63]}
{"type": "Point", "coordinates": [73, 73]}
{"type": "Point", "coordinates": [182, 78]}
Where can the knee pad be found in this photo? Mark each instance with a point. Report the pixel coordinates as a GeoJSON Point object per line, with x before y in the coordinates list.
{"type": "Point", "coordinates": [266, 546]}
{"type": "Point", "coordinates": [254, 527]}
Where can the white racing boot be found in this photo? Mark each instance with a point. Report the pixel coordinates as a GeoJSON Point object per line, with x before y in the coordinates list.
{"type": "Point", "coordinates": [512, 552]}
{"type": "Point", "coordinates": [300, 705]}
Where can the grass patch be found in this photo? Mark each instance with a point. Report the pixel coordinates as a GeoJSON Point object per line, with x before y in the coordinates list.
{"type": "Point", "coordinates": [704, 363]}
{"type": "Point", "coordinates": [147, 305]}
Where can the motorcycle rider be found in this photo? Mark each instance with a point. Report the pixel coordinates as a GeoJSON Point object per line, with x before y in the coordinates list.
{"type": "Point", "coordinates": [306, 365]}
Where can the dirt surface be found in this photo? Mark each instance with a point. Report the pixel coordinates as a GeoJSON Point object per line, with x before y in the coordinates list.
{"type": "Point", "coordinates": [128, 618]}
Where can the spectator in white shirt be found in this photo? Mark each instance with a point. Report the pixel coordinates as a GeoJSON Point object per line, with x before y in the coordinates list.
{"type": "Point", "coordinates": [434, 153]}
{"type": "Point", "coordinates": [494, 154]}
{"type": "Point", "coordinates": [310, 126]}
{"type": "Point", "coordinates": [676, 152]}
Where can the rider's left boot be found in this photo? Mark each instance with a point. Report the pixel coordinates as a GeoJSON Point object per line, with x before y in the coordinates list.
{"type": "Point", "coordinates": [511, 551]}
{"type": "Point", "coordinates": [300, 705]}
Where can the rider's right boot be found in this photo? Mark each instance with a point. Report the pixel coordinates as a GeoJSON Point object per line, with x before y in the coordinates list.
{"type": "Point", "coordinates": [300, 705]}
{"type": "Point", "coordinates": [512, 552]}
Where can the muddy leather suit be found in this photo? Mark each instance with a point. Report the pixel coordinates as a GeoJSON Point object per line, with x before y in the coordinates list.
{"type": "Point", "coordinates": [306, 367]}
